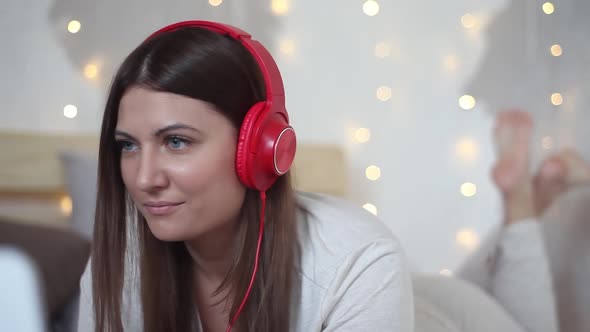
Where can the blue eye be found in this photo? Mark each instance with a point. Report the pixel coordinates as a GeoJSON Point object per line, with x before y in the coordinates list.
{"type": "Point", "coordinates": [177, 143]}
{"type": "Point", "coordinates": [126, 146]}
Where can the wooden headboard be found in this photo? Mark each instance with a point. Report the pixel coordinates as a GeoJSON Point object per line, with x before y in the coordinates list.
{"type": "Point", "coordinates": [31, 175]}
{"type": "Point", "coordinates": [29, 163]}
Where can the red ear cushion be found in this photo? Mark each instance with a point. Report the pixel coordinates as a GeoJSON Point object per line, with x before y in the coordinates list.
{"type": "Point", "coordinates": [243, 146]}
{"type": "Point", "coordinates": [271, 149]}
{"type": "Point", "coordinates": [284, 150]}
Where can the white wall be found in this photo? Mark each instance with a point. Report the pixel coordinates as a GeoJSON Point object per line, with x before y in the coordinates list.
{"type": "Point", "coordinates": [331, 77]}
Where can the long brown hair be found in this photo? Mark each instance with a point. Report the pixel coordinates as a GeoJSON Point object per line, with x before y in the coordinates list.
{"type": "Point", "coordinates": [208, 66]}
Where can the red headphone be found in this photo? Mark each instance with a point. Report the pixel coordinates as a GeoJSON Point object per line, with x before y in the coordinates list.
{"type": "Point", "coordinates": [267, 143]}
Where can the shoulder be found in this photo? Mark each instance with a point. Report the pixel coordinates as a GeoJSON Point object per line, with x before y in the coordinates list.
{"type": "Point", "coordinates": [334, 233]}
{"type": "Point", "coordinates": [340, 222]}
{"type": "Point", "coordinates": [131, 311]}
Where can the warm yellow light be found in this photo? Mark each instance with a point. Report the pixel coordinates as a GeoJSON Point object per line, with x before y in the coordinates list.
{"type": "Point", "coordinates": [556, 99]}
{"type": "Point", "coordinates": [547, 142]}
{"type": "Point", "coordinates": [215, 3]}
{"type": "Point", "coordinates": [556, 50]}
{"type": "Point", "coordinates": [467, 149]}
{"type": "Point", "coordinates": [371, 208]}
{"type": "Point", "coordinates": [70, 111]}
{"type": "Point", "coordinates": [373, 173]}
{"type": "Point", "coordinates": [91, 71]}
{"type": "Point", "coordinates": [384, 93]}
{"type": "Point", "coordinates": [451, 62]}
{"type": "Point", "coordinates": [467, 238]}
{"type": "Point", "coordinates": [382, 50]}
{"type": "Point", "coordinates": [280, 7]}
{"type": "Point", "coordinates": [65, 205]}
{"type": "Point", "coordinates": [371, 7]}
{"type": "Point", "coordinates": [446, 273]}
{"type": "Point", "coordinates": [548, 8]}
{"type": "Point", "coordinates": [467, 102]}
{"type": "Point", "coordinates": [287, 47]}
{"type": "Point", "coordinates": [74, 26]}
{"type": "Point", "coordinates": [468, 189]}
{"type": "Point", "coordinates": [362, 135]}
{"type": "Point", "coordinates": [469, 21]}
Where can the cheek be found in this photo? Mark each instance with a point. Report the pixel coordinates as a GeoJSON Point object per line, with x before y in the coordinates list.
{"type": "Point", "coordinates": [214, 167]}
{"type": "Point", "coordinates": [128, 173]}
{"type": "Point", "coordinates": [211, 185]}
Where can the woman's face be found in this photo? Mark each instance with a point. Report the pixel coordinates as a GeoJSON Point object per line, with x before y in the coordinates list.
{"type": "Point", "coordinates": [178, 163]}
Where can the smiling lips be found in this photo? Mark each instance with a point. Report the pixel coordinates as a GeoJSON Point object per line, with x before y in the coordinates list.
{"type": "Point", "coordinates": [161, 208]}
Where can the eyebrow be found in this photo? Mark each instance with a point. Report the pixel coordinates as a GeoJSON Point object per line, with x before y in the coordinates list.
{"type": "Point", "coordinates": [161, 131]}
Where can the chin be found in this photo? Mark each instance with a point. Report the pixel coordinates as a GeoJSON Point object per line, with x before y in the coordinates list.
{"type": "Point", "coordinates": [167, 231]}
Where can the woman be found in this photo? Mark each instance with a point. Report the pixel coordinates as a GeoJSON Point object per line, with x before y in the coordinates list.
{"type": "Point", "coordinates": [197, 225]}
{"type": "Point", "coordinates": [535, 265]}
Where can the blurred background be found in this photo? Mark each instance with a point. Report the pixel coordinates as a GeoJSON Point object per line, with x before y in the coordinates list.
{"type": "Point", "coordinates": [406, 89]}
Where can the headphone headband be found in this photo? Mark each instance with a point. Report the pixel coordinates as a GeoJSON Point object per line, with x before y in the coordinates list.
{"type": "Point", "coordinates": [269, 69]}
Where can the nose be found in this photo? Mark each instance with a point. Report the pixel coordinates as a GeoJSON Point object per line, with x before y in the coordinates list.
{"type": "Point", "coordinates": [151, 176]}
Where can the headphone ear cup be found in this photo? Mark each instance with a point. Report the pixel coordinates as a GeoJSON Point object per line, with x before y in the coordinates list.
{"type": "Point", "coordinates": [247, 131]}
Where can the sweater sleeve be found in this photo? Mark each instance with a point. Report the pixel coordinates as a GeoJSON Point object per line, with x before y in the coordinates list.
{"type": "Point", "coordinates": [512, 265]}
{"type": "Point", "coordinates": [371, 291]}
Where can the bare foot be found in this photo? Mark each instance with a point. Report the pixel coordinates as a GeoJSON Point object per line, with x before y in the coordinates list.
{"type": "Point", "coordinates": [557, 174]}
{"type": "Point", "coordinates": [511, 171]}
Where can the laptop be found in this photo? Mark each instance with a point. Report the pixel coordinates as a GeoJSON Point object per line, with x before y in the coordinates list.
{"type": "Point", "coordinates": [21, 304]}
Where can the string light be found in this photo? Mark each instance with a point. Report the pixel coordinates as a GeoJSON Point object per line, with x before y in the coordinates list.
{"type": "Point", "coordinates": [556, 50]}
{"type": "Point", "coordinates": [74, 26]}
{"type": "Point", "coordinates": [91, 71]}
{"type": "Point", "coordinates": [556, 99]}
{"type": "Point", "coordinates": [362, 135]}
{"type": "Point", "coordinates": [548, 8]}
{"type": "Point", "coordinates": [371, 208]}
{"type": "Point", "coordinates": [382, 50]}
{"type": "Point", "coordinates": [65, 205]}
{"type": "Point", "coordinates": [287, 47]}
{"type": "Point", "coordinates": [215, 3]}
{"type": "Point", "coordinates": [384, 93]}
{"type": "Point", "coordinates": [70, 111]}
{"type": "Point", "coordinates": [469, 21]}
{"type": "Point", "coordinates": [468, 189]}
{"type": "Point", "coordinates": [451, 62]}
{"type": "Point", "coordinates": [467, 238]}
{"type": "Point", "coordinates": [467, 102]}
{"type": "Point", "coordinates": [446, 273]}
{"type": "Point", "coordinates": [467, 149]}
{"type": "Point", "coordinates": [280, 7]}
{"type": "Point", "coordinates": [373, 173]}
{"type": "Point", "coordinates": [371, 7]}
{"type": "Point", "coordinates": [547, 142]}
